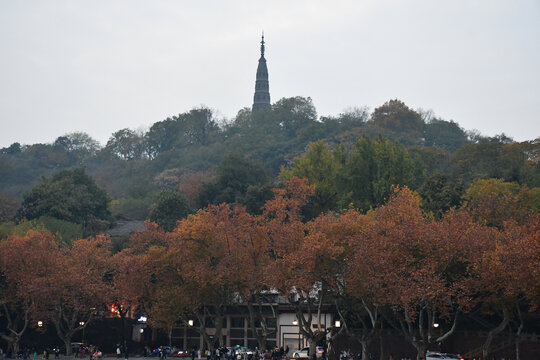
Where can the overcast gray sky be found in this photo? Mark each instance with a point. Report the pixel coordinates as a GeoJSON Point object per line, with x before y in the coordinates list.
{"type": "Point", "coordinates": [100, 66]}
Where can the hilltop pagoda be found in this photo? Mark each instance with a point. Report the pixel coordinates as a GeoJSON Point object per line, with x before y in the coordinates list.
{"type": "Point", "coordinates": [261, 99]}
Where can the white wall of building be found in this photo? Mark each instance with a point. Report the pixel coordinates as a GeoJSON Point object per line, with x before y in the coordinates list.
{"type": "Point", "coordinates": [289, 334]}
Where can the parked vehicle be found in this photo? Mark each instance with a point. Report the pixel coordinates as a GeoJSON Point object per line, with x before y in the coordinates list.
{"type": "Point", "coordinates": [180, 353]}
{"type": "Point", "coordinates": [304, 352]}
{"type": "Point", "coordinates": [442, 356]}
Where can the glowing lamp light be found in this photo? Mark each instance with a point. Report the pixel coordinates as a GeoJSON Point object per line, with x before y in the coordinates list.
{"type": "Point", "coordinates": [435, 325]}
{"type": "Point", "coordinates": [337, 323]}
{"type": "Point", "coordinates": [142, 319]}
{"type": "Point", "coordinates": [40, 323]}
{"type": "Point", "coordinates": [295, 322]}
{"type": "Point", "coordinates": [190, 322]}
{"type": "Point", "coordinates": [81, 323]}
{"type": "Point", "coordinates": [141, 331]}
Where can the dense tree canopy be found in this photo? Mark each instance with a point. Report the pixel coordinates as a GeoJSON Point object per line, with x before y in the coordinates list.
{"type": "Point", "coordinates": [362, 177]}
{"type": "Point", "coordinates": [238, 180]}
{"type": "Point", "coordinates": [70, 195]}
{"type": "Point", "coordinates": [171, 206]}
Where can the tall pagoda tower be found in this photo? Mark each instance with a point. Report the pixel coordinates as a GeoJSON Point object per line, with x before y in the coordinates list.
{"type": "Point", "coordinates": [261, 99]}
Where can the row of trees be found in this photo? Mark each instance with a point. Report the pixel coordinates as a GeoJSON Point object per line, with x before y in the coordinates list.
{"type": "Point", "coordinates": [393, 266]}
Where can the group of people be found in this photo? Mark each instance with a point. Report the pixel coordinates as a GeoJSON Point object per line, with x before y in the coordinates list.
{"type": "Point", "coordinates": [224, 353]}
{"type": "Point", "coordinates": [27, 354]}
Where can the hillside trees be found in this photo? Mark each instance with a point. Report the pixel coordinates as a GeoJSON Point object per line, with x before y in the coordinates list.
{"type": "Point", "coordinates": [397, 121]}
{"type": "Point", "coordinates": [447, 135]}
{"type": "Point", "coordinates": [238, 180]}
{"type": "Point", "coordinates": [8, 208]}
{"type": "Point", "coordinates": [196, 127]}
{"type": "Point", "coordinates": [439, 194]}
{"type": "Point", "coordinates": [171, 206]}
{"type": "Point", "coordinates": [69, 195]}
{"type": "Point", "coordinates": [512, 162]}
{"type": "Point", "coordinates": [363, 176]}
{"type": "Point", "coordinates": [78, 144]}
{"type": "Point", "coordinates": [494, 202]}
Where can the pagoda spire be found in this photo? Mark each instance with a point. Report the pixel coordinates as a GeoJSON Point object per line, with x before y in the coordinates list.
{"type": "Point", "coordinates": [262, 44]}
{"type": "Point", "coordinates": [261, 98]}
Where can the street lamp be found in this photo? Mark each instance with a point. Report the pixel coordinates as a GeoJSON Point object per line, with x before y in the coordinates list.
{"type": "Point", "coordinates": [40, 323]}
{"type": "Point", "coordinates": [190, 322]}
{"type": "Point", "coordinates": [81, 323]}
{"type": "Point", "coordinates": [295, 322]}
{"type": "Point", "coordinates": [435, 325]}
{"type": "Point", "coordinates": [337, 323]}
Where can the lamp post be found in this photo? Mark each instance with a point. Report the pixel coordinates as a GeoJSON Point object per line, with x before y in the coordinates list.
{"type": "Point", "coordinates": [295, 323]}
{"type": "Point", "coordinates": [81, 323]}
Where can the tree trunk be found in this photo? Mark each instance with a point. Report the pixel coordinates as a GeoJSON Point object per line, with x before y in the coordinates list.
{"type": "Point", "coordinates": [420, 350]}
{"type": "Point", "coordinates": [312, 349]}
{"type": "Point", "coordinates": [493, 332]}
{"type": "Point", "coordinates": [520, 329]}
{"type": "Point", "coordinates": [364, 349]}
{"type": "Point", "coordinates": [16, 330]}
{"type": "Point", "coordinates": [67, 344]}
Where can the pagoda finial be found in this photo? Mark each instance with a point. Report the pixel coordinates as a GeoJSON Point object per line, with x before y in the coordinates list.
{"type": "Point", "coordinates": [262, 44]}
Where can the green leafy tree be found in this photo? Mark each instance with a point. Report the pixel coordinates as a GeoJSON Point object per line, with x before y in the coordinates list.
{"type": "Point", "coordinates": [322, 167]}
{"type": "Point", "coordinates": [80, 144]}
{"type": "Point", "coordinates": [494, 201]}
{"type": "Point", "coordinates": [294, 114]}
{"type": "Point", "coordinates": [439, 194]}
{"type": "Point", "coordinates": [8, 208]}
{"type": "Point", "coordinates": [69, 195]}
{"type": "Point", "coordinates": [171, 206]}
{"type": "Point", "coordinates": [513, 162]}
{"type": "Point", "coordinates": [399, 122]}
{"type": "Point", "coordinates": [235, 175]}
{"type": "Point", "coordinates": [13, 149]}
{"type": "Point", "coordinates": [445, 134]}
{"type": "Point", "coordinates": [196, 127]}
{"type": "Point", "coordinates": [363, 176]}
{"type": "Point", "coordinates": [126, 144]}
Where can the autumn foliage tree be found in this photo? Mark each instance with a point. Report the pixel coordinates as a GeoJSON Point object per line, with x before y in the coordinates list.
{"type": "Point", "coordinates": [416, 268]}
{"type": "Point", "coordinates": [77, 289]}
{"type": "Point", "coordinates": [25, 263]}
{"type": "Point", "coordinates": [132, 272]}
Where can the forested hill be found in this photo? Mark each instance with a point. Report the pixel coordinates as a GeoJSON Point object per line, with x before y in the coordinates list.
{"type": "Point", "coordinates": [241, 160]}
